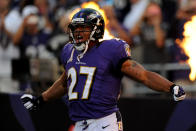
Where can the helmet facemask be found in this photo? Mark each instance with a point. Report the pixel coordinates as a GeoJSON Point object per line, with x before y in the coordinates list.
{"type": "Point", "coordinates": [81, 37]}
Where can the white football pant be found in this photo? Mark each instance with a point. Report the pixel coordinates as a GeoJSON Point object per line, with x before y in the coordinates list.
{"type": "Point", "coordinates": [107, 123]}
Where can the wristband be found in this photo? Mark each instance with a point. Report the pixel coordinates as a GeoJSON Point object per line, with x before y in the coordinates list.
{"type": "Point", "coordinates": [171, 88]}
{"type": "Point", "coordinates": [40, 100]}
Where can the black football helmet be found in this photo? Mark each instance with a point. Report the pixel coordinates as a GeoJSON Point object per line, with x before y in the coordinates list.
{"type": "Point", "coordinates": [91, 18]}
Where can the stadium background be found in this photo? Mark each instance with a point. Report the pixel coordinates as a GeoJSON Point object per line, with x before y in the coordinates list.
{"type": "Point", "coordinates": [32, 68]}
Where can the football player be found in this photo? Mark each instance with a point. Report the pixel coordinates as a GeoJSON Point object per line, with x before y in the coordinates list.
{"type": "Point", "coordinates": [93, 73]}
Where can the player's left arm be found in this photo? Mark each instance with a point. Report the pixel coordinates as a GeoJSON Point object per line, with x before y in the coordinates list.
{"type": "Point", "coordinates": [152, 80]}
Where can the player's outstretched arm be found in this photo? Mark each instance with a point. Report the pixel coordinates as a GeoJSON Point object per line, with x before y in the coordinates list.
{"type": "Point", "coordinates": [57, 90]}
{"type": "Point", "coordinates": [151, 79]}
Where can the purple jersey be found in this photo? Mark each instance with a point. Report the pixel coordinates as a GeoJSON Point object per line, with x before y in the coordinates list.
{"type": "Point", "coordinates": [94, 81]}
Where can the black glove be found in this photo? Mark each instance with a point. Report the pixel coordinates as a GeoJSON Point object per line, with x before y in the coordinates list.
{"type": "Point", "coordinates": [32, 103]}
{"type": "Point", "coordinates": [177, 92]}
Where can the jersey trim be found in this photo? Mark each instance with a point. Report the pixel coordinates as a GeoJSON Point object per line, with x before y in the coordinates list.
{"type": "Point", "coordinates": [122, 61]}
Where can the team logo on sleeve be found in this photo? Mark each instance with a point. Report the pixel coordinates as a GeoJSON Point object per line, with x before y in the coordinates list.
{"type": "Point", "coordinates": [127, 50]}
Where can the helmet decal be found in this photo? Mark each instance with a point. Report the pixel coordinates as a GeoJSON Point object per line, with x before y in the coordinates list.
{"type": "Point", "coordinates": [79, 20]}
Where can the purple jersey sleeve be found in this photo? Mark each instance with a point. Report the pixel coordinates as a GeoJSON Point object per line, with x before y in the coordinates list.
{"type": "Point", "coordinates": [120, 52]}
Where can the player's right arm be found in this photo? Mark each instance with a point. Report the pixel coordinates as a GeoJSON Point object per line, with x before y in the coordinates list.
{"type": "Point", "coordinates": [57, 90]}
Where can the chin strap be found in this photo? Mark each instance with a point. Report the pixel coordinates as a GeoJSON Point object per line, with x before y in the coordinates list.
{"type": "Point", "coordinates": [85, 50]}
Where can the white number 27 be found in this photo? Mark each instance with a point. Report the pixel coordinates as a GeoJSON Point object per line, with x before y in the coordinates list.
{"type": "Point", "coordinates": [89, 71]}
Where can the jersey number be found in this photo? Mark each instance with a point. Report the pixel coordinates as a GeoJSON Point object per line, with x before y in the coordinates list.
{"type": "Point", "coordinates": [89, 71]}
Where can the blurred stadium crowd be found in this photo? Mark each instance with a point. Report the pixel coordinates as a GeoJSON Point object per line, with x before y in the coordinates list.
{"type": "Point", "coordinates": [33, 32]}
